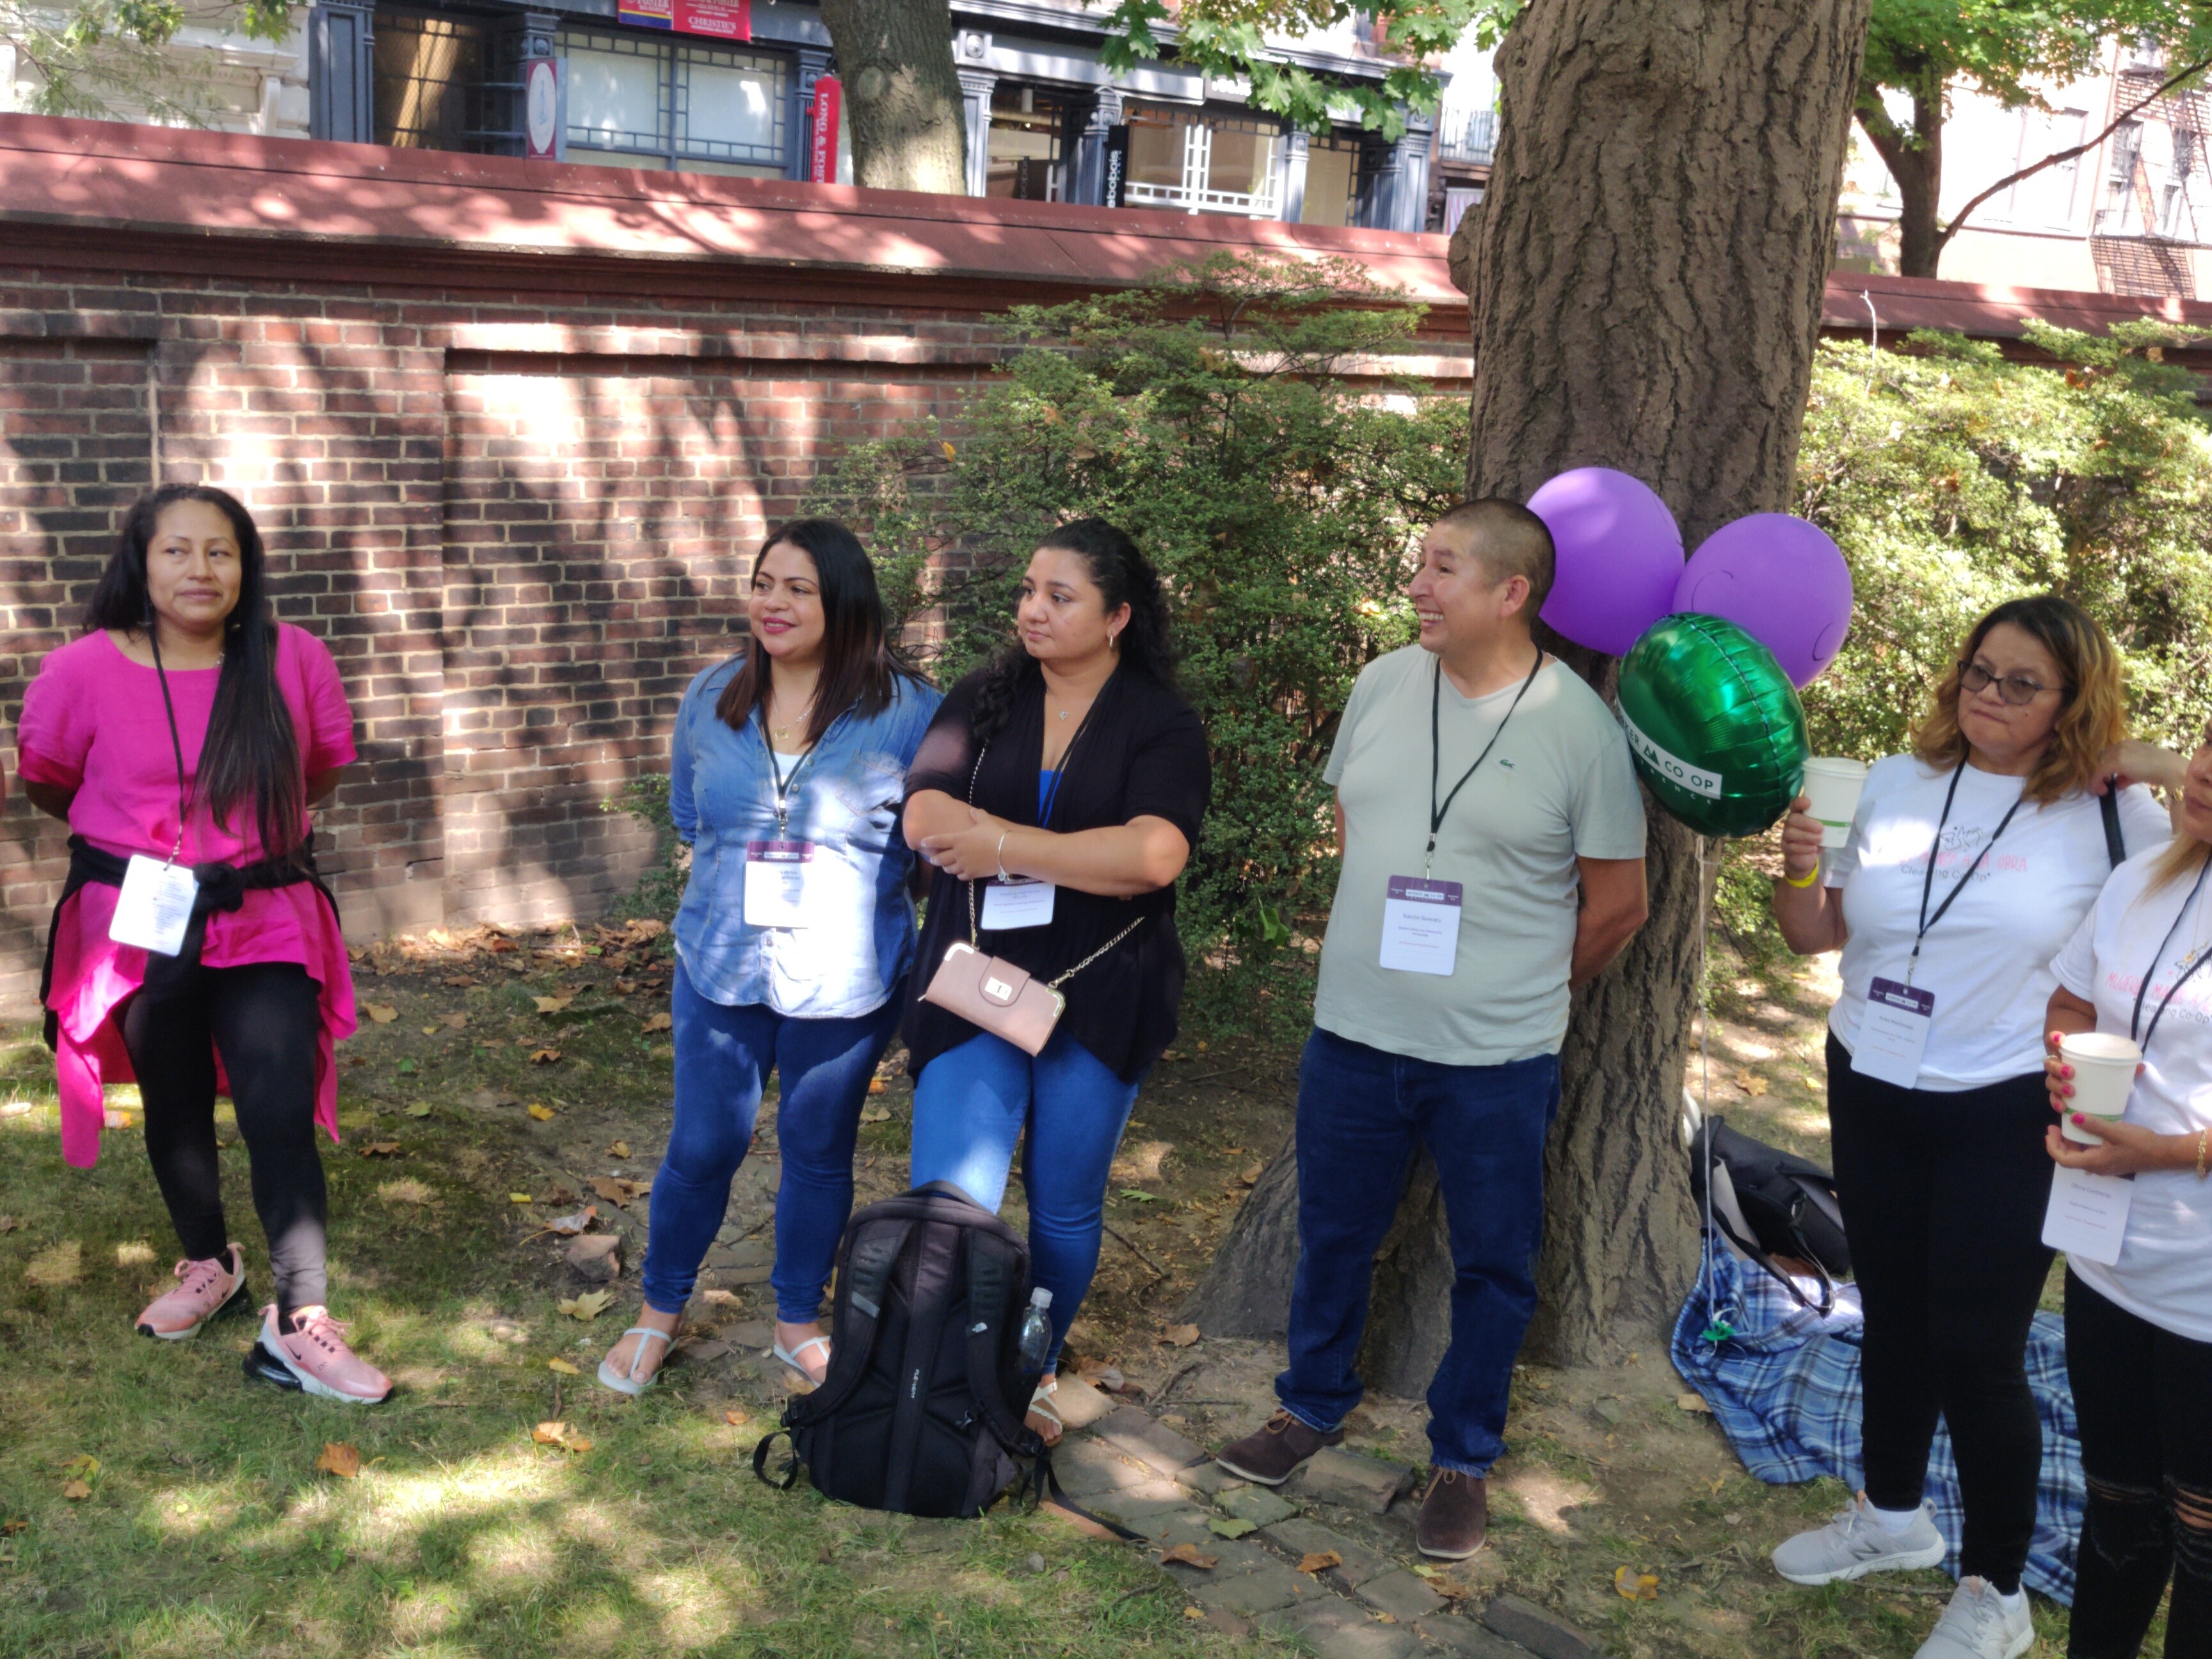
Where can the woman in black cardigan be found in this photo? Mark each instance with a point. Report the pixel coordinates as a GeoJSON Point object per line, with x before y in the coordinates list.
{"type": "Point", "coordinates": [1057, 793]}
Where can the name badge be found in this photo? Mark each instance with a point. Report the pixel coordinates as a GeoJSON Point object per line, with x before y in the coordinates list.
{"type": "Point", "coordinates": [2088, 1215]}
{"type": "Point", "coordinates": [1893, 1035]}
{"type": "Point", "coordinates": [775, 883]}
{"type": "Point", "coordinates": [1011, 904]}
{"type": "Point", "coordinates": [155, 909]}
{"type": "Point", "coordinates": [1420, 925]}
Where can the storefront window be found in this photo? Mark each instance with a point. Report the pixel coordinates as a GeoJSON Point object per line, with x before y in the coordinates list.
{"type": "Point", "coordinates": [639, 102]}
{"type": "Point", "coordinates": [1202, 161]}
{"type": "Point", "coordinates": [428, 75]}
{"type": "Point", "coordinates": [1025, 145]}
{"type": "Point", "coordinates": [1332, 182]}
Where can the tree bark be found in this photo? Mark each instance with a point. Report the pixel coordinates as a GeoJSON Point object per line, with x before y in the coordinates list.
{"type": "Point", "coordinates": [1646, 289]}
{"type": "Point", "coordinates": [902, 93]}
{"type": "Point", "coordinates": [1915, 161]}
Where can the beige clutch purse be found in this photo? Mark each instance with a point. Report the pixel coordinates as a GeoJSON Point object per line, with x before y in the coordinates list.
{"type": "Point", "coordinates": [1001, 998]}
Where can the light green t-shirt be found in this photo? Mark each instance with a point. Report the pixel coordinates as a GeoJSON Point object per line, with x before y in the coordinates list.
{"type": "Point", "coordinates": [1558, 785]}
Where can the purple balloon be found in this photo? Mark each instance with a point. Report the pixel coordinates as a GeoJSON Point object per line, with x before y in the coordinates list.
{"type": "Point", "coordinates": [1620, 557]}
{"type": "Point", "coordinates": [1780, 580]}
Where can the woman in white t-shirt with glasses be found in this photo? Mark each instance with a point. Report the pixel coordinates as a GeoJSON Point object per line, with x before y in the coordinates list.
{"type": "Point", "coordinates": [1970, 861]}
{"type": "Point", "coordinates": [2139, 1332]}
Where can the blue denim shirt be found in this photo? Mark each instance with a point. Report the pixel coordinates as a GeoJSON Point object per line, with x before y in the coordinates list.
{"type": "Point", "coordinates": [845, 800]}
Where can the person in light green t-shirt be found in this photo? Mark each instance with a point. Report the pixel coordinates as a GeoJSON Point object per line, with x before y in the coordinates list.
{"type": "Point", "coordinates": [1493, 835]}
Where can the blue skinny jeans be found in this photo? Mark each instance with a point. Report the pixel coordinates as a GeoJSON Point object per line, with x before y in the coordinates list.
{"type": "Point", "coordinates": [971, 1105]}
{"type": "Point", "coordinates": [723, 1056]}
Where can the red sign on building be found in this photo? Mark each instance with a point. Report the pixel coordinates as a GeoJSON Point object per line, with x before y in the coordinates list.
{"type": "Point", "coordinates": [829, 98]}
{"type": "Point", "coordinates": [719, 20]}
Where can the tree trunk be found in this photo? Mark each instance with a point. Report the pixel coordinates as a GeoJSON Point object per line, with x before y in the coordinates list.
{"type": "Point", "coordinates": [1646, 293]}
{"type": "Point", "coordinates": [902, 93]}
{"type": "Point", "coordinates": [1915, 161]}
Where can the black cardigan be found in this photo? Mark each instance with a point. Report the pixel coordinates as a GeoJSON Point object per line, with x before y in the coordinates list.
{"type": "Point", "coordinates": [1141, 753]}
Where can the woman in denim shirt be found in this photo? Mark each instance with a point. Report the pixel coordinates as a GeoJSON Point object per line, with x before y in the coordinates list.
{"type": "Point", "coordinates": [795, 932]}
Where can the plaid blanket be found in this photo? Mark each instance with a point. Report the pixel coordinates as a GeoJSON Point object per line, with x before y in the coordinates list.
{"type": "Point", "coordinates": [1784, 1388]}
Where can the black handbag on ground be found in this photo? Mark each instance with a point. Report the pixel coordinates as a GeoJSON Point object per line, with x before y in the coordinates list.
{"type": "Point", "coordinates": [1770, 1203]}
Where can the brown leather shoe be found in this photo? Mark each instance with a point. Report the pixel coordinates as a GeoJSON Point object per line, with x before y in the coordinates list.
{"type": "Point", "coordinates": [1455, 1515]}
{"type": "Point", "coordinates": [1269, 1456]}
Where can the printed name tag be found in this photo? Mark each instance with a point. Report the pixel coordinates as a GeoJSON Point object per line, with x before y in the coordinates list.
{"type": "Point", "coordinates": [2088, 1215]}
{"type": "Point", "coordinates": [775, 883]}
{"type": "Point", "coordinates": [155, 909]}
{"type": "Point", "coordinates": [1011, 904]}
{"type": "Point", "coordinates": [1420, 925]}
{"type": "Point", "coordinates": [1893, 1035]}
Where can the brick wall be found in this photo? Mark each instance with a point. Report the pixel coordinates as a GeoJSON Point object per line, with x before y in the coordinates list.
{"type": "Point", "coordinates": [511, 447]}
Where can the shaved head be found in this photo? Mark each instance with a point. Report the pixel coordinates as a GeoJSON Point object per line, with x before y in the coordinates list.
{"type": "Point", "coordinates": [1508, 538]}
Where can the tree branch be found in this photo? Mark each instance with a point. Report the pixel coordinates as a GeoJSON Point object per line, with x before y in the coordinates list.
{"type": "Point", "coordinates": [1958, 219]}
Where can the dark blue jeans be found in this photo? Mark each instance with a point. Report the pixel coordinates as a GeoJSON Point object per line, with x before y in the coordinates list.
{"type": "Point", "coordinates": [972, 1103]}
{"type": "Point", "coordinates": [1361, 1112]}
{"type": "Point", "coordinates": [723, 1055]}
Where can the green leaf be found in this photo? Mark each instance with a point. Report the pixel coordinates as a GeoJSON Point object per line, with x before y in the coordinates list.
{"type": "Point", "coordinates": [1222, 1526]}
{"type": "Point", "coordinates": [1140, 1195]}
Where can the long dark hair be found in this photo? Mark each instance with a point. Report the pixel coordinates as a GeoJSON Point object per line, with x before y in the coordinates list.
{"type": "Point", "coordinates": [250, 763]}
{"type": "Point", "coordinates": [859, 668]}
{"type": "Point", "coordinates": [1124, 576]}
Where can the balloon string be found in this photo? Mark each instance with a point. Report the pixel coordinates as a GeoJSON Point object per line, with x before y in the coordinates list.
{"type": "Point", "coordinates": [1717, 1329]}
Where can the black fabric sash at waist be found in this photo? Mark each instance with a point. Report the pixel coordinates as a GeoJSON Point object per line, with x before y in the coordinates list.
{"type": "Point", "coordinates": [222, 887]}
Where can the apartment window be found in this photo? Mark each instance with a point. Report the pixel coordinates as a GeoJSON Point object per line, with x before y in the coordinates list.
{"type": "Point", "coordinates": [639, 102]}
{"type": "Point", "coordinates": [2120, 215]}
{"type": "Point", "coordinates": [1203, 163]}
{"type": "Point", "coordinates": [2044, 200]}
{"type": "Point", "coordinates": [2177, 217]}
{"type": "Point", "coordinates": [428, 76]}
{"type": "Point", "coordinates": [1026, 126]}
{"type": "Point", "coordinates": [1332, 181]}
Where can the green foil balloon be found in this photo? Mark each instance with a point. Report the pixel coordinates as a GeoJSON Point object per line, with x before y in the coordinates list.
{"type": "Point", "coordinates": [1713, 724]}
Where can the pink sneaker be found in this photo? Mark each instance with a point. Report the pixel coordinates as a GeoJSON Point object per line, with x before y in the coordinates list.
{"type": "Point", "coordinates": [315, 1358]}
{"type": "Point", "coordinates": [204, 1289]}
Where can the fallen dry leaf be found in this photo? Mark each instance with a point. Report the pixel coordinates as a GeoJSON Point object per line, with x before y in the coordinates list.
{"type": "Point", "coordinates": [563, 1367]}
{"type": "Point", "coordinates": [459, 981]}
{"type": "Point", "coordinates": [1634, 1586]}
{"type": "Point", "coordinates": [543, 1114]}
{"type": "Point", "coordinates": [1190, 1555]}
{"type": "Point", "coordinates": [552, 1004]}
{"type": "Point", "coordinates": [620, 1149]}
{"type": "Point", "coordinates": [381, 1149]}
{"type": "Point", "coordinates": [659, 1023]}
{"type": "Point", "coordinates": [1250, 1176]}
{"type": "Point", "coordinates": [561, 1435]}
{"type": "Point", "coordinates": [543, 1056]}
{"type": "Point", "coordinates": [340, 1459]}
{"type": "Point", "coordinates": [10, 1529]}
{"type": "Point", "coordinates": [736, 1419]}
{"type": "Point", "coordinates": [1320, 1561]}
{"type": "Point", "coordinates": [590, 1305]}
{"type": "Point", "coordinates": [1690, 1402]}
{"type": "Point", "coordinates": [9, 1224]}
{"type": "Point", "coordinates": [1450, 1588]}
{"type": "Point", "coordinates": [1193, 1613]}
{"type": "Point", "coordinates": [420, 1109]}
{"type": "Point", "coordinates": [570, 1225]}
{"type": "Point", "coordinates": [877, 1087]}
{"type": "Point", "coordinates": [1180, 1336]}
{"type": "Point", "coordinates": [432, 1030]}
{"type": "Point", "coordinates": [1751, 1083]}
{"type": "Point", "coordinates": [616, 1191]}
{"type": "Point", "coordinates": [75, 1490]}
{"type": "Point", "coordinates": [875, 1114]}
{"type": "Point", "coordinates": [458, 1022]}
{"type": "Point", "coordinates": [520, 1197]}
{"type": "Point", "coordinates": [646, 927]}
{"type": "Point", "coordinates": [382, 1012]}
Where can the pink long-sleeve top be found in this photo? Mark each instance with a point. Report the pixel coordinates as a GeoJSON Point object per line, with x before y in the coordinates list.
{"type": "Point", "coordinates": [93, 722]}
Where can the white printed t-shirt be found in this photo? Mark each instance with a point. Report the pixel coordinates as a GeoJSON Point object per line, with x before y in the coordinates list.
{"type": "Point", "coordinates": [1988, 960]}
{"type": "Point", "coordinates": [2165, 1270]}
{"type": "Point", "coordinates": [1558, 786]}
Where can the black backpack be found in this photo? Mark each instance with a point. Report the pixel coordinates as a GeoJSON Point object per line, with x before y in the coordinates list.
{"type": "Point", "coordinates": [1767, 1202]}
{"type": "Point", "coordinates": [915, 1415]}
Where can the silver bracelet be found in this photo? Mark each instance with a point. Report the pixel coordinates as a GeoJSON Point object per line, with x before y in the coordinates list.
{"type": "Point", "coordinates": [1001, 854]}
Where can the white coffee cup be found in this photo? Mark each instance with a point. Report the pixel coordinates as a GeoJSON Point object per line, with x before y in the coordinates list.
{"type": "Point", "coordinates": [2103, 1065]}
{"type": "Point", "coordinates": [1832, 786]}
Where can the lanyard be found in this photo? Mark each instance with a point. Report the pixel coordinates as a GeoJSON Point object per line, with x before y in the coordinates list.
{"type": "Point", "coordinates": [1436, 751]}
{"type": "Point", "coordinates": [2190, 964]}
{"type": "Point", "coordinates": [784, 781]}
{"type": "Point", "coordinates": [176, 744]}
{"type": "Point", "coordinates": [1067, 754]}
{"type": "Point", "coordinates": [1927, 884]}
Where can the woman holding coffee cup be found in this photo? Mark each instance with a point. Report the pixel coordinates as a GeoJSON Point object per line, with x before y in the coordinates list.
{"type": "Point", "coordinates": [1059, 795]}
{"type": "Point", "coordinates": [2139, 1325]}
{"type": "Point", "coordinates": [1968, 863]}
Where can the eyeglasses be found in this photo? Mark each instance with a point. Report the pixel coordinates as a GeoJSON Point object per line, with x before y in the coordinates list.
{"type": "Point", "coordinates": [2017, 690]}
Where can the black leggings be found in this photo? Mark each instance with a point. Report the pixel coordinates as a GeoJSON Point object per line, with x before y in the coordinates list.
{"type": "Point", "coordinates": [2143, 1399]}
{"type": "Point", "coordinates": [1943, 1197]}
{"type": "Point", "coordinates": [265, 1021]}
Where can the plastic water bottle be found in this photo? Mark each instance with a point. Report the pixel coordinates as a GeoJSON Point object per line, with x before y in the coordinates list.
{"type": "Point", "coordinates": [1036, 1332]}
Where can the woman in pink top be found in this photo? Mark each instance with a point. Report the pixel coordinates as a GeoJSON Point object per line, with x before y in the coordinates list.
{"type": "Point", "coordinates": [183, 738]}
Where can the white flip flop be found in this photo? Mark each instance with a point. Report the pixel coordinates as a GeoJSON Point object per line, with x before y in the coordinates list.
{"type": "Point", "coordinates": [621, 1383]}
{"type": "Point", "coordinates": [1042, 1402]}
{"type": "Point", "coordinates": [790, 1357]}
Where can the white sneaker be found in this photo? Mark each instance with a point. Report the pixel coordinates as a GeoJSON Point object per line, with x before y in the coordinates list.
{"type": "Point", "coordinates": [1855, 1543]}
{"type": "Point", "coordinates": [1979, 1625]}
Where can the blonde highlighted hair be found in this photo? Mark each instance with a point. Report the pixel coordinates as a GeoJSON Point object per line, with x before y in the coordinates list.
{"type": "Point", "coordinates": [2092, 717]}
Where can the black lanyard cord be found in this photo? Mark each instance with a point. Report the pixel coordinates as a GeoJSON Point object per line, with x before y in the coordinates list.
{"type": "Point", "coordinates": [1927, 883]}
{"type": "Point", "coordinates": [1067, 754]}
{"type": "Point", "coordinates": [1435, 751]}
{"type": "Point", "coordinates": [176, 743]}
{"type": "Point", "coordinates": [784, 783]}
{"type": "Point", "coordinates": [2174, 989]}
